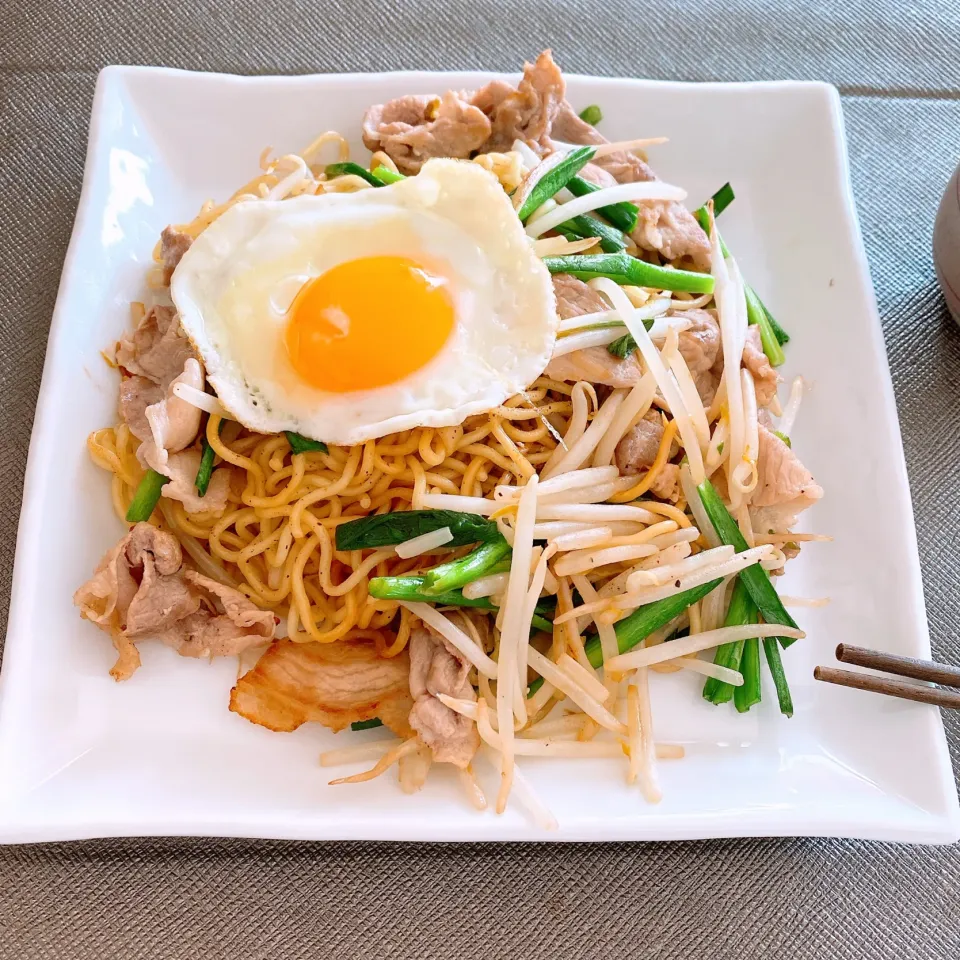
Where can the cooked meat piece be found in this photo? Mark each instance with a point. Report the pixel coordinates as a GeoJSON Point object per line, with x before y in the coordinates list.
{"type": "Point", "coordinates": [699, 344]}
{"type": "Point", "coordinates": [411, 130]}
{"type": "Point", "coordinates": [636, 452]}
{"type": "Point", "coordinates": [700, 347]}
{"type": "Point", "coordinates": [620, 167]}
{"type": "Point", "coordinates": [173, 422]}
{"type": "Point", "coordinates": [528, 112]}
{"type": "Point", "coordinates": [575, 298]}
{"type": "Point", "coordinates": [182, 469]}
{"type": "Point", "coordinates": [594, 174]}
{"type": "Point", "coordinates": [666, 484]}
{"type": "Point", "coordinates": [136, 395]}
{"type": "Point", "coordinates": [174, 244]}
{"type": "Point", "coordinates": [227, 623]}
{"type": "Point", "coordinates": [157, 349]}
{"type": "Point", "coordinates": [335, 684]}
{"type": "Point", "coordinates": [597, 365]}
{"type": "Point", "coordinates": [665, 226]}
{"type": "Point", "coordinates": [436, 667]}
{"type": "Point", "coordinates": [670, 228]}
{"type": "Point", "coordinates": [141, 591]}
{"type": "Point", "coordinates": [765, 378]}
{"type": "Point", "coordinates": [783, 481]}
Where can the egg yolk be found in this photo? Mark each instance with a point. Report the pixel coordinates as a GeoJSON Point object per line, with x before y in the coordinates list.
{"type": "Point", "coordinates": [367, 323]}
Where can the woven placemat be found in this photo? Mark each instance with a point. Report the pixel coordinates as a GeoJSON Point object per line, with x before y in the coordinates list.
{"type": "Point", "coordinates": [898, 68]}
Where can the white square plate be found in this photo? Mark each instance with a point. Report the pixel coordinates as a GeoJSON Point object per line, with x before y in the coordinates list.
{"type": "Point", "coordinates": [82, 756]}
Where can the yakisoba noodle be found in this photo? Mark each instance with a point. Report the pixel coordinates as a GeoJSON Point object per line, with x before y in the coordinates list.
{"type": "Point", "coordinates": [585, 473]}
{"type": "Point", "coordinates": [275, 541]}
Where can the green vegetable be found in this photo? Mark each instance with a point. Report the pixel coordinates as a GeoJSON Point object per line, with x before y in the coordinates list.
{"type": "Point", "coordinates": [592, 115]}
{"type": "Point", "coordinates": [778, 331]}
{"type": "Point", "coordinates": [387, 529]}
{"type": "Point", "coordinates": [340, 169]}
{"type": "Point", "coordinates": [624, 269]}
{"type": "Point", "coordinates": [742, 610]}
{"type": "Point", "coordinates": [386, 176]}
{"type": "Point", "coordinates": [554, 174]}
{"type": "Point", "coordinates": [772, 335]}
{"type": "Point", "coordinates": [721, 200]}
{"type": "Point", "coordinates": [366, 724]}
{"type": "Point", "coordinates": [622, 215]}
{"type": "Point", "coordinates": [772, 649]}
{"type": "Point", "coordinates": [146, 496]}
{"type": "Point", "coordinates": [783, 437]}
{"type": "Point", "coordinates": [746, 696]}
{"type": "Point", "coordinates": [756, 315]}
{"type": "Point", "coordinates": [206, 464]}
{"type": "Point", "coordinates": [611, 239]}
{"type": "Point", "coordinates": [478, 563]}
{"type": "Point", "coordinates": [754, 578]}
{"type": "Point", "coordinates": [299, 444]}
{"type": "Point", "coordinates": [625, 345]}
{"type": "Point", "coordinates": [410, 589]}
{"type": "Point", "coordinates": [640, 624]}
{"type": "Point", "coordinates": [720, 447]}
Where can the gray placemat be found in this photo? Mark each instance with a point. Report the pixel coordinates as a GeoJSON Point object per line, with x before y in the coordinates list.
{"type": "Point", "coordinates": [898, 67]}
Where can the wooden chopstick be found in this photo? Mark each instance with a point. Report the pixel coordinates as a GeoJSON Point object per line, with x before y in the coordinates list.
{"type": "Point", "coordinates": [902, 666]}
{"type": "Point", "coordinates": [892, 688]}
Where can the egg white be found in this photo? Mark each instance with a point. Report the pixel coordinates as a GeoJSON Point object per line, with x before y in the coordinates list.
{"type": "Point", "coordinates": [234, 286]}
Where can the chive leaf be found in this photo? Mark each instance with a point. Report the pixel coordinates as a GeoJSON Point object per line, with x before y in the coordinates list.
{"type": "Point", "coordinates": [755, 578]}
{"type": "Point", "coordinates": [146, 496]}
{"type": "Point", "coordinates": [622, 215]}
{"type": "Point", "coordinates": [744, 697]}
{"type": "Point", "coordinates": [627, 270]}
{"type": "Point", "coordinates": [742, 610]}
{"type": "Point", "coordinates": [366, 724]}
{"type": "Point", "coordinates": [772, 650]}
{"type": "Point", "coordinates": [611, 239]}
{"type": "Point", "coordinates": [592, 114]}
{"type": "Point", "coordinates": [301, 444]}
{"type": "Point", "coordinates": [388, 529]}
{"type": "Point", "coordinates": [549, 177]}
{"type": "Point", "coordinates": [386, 176]}
{"type": "Point", "coordinates": [349, 167]}
{"type": "Point", "coordinates": [458, 573]}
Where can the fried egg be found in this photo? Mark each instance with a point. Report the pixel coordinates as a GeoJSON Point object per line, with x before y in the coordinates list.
{"type": "Point", "coordinates": [348, 316]}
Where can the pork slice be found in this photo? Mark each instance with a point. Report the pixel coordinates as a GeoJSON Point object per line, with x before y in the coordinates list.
{"type": "Point", "coordinates": [784, 486]}
{"type": "Point", "coordinates": [575, 298]}
{"type": "Point", "coordinates": [435, 668]}
{"type": "Point", "coordinates": [228, 623]}
{"type": "Point", "coordinates": [411, 130]}
{"type": "Point", "coordinates": [666, 484]}
{"type": "Point", "coordinates": [158, 348]}
{"type": "Point", "coordinates": [333, 684]}
{"type": "Point", "coordinates": [182, 469]}
{"type": "Point", "coordinates": [594, 174]}
{"type": "Point", "coordinates": [699, 344]}
{"type": "Point", "coordinates": [664, 226]}
{"type": "Point", "coordinates": [596, 365]}
{"type": "Point", "coordinates": [700, 347]}
{"type": "Point", "coordinates": [174, 423]}
{"type": "Point", "coordinates": [174, 244]}
{"type": "Point", "coordinates": [141, 591]}
{"type": "Point", "coordinates": [765, 377]}
{"type": "Point", "coordinates": [528, 112]}
{"type": "Point", "coordinates": [638, 449]}
{"type": "Point", "coordinates": [136, 395]}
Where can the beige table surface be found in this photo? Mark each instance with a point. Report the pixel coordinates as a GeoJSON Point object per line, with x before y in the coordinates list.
{"type": "Point", "coordinates": [898, 68]}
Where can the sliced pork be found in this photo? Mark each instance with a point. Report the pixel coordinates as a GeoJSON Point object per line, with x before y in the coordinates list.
{"type": "Point", "coordinates": [411, 130]}
{"type": "Point", "coordinates": [784, 486]}
{"type": "Point", "coordinates": [334, 684]}
{"type": "Point", "coordinates": [435, 668]}
{"type": "Point", "coordinates": [142, 591]}
{"type": "Point", "coordinates": [158, 348]}
{"type": "Point", "coordinates": [765, 377]}
{"type": "Point", "coordinates": [174, 244]}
